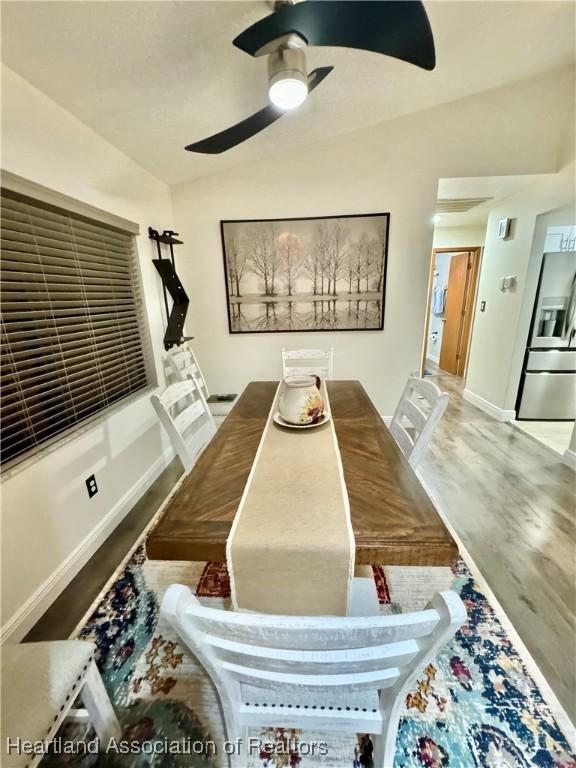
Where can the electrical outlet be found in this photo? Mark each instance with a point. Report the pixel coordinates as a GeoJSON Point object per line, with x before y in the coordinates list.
{"type": "Point", "coordinates": [91, 486]}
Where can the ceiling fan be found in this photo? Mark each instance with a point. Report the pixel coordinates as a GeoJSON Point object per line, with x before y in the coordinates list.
{"type": "Point", "coordinates": [398, 28]}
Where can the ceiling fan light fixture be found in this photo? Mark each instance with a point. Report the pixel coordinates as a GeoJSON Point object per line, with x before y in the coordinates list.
{"type": "Point", "coordinates": [288, 92]}
{"type": "Point", "coordinates": [288, 81]}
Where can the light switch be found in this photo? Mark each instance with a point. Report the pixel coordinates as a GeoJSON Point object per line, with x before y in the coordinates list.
{"type": "Point", "coordinates": [508, 283]}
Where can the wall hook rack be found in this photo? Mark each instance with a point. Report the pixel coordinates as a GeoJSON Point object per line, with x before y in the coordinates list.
{"type": "Point", "coordinates": [171, 284]}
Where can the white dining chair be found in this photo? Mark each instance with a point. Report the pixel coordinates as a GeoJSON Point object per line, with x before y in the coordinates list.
{"type": "Point", "coordinates": [184, 414]}
{"type": "Point", "coordinates": [316, 362]}
{"type": "Point", "coordinates": [417, 414]}
{"type": "Point", "coordinates": [183, 364]}
{"type": "Point", "coordinates": [320, 673]}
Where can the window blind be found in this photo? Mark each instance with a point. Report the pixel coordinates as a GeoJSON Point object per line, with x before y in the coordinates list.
{"type": "Point", "coordinates": [71, 326]}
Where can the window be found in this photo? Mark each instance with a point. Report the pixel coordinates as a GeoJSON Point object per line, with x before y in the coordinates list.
{"type": "Point", "coordinates": [72, 324]}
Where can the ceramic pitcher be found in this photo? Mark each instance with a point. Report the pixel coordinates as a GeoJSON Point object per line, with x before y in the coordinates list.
{"type": "Point", "coordinates": [300, 401]}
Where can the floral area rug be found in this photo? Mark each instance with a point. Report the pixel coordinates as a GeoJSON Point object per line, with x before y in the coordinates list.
{"type": "Point", "coordinates": [476, 705]}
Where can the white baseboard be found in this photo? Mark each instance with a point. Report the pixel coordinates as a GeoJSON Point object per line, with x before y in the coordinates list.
{"type": "Point", "coordinates": [20, 623]}
{"type": "Point", "coordinates": [434, 358]}
{"type": "Point", "coordinates": [569, 458]}
{"type": "Point", "coordinates": [492, 410]}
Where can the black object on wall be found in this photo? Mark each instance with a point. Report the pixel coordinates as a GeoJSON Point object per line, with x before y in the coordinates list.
{"type": "Point", "coordinates": [171, 284]}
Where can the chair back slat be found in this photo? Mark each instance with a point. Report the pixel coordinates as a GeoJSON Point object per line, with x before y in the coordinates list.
{"type": "Point", "coordinates": [402, 437]}
{"type": "Point", "coordinates": [182, 390]}
{"type": "Point", "coordinates": [184, 414]}
{"type": "Point", "coordinates": [311, 682]}
{"type": "Point", "coordinates": [184, 365]}
{"type": "Point", "coordinates": [308, 370]}
{"type": "Point", "coordinates": [189, 415]}
{"type": "Point", "coordinates": [417, 414]}
{"type": "Point", "coordinates": [348, 660]}
{"type": "Point", "coordinates": [310, 633]}
{"type": "Point", "coordinates": [180, 357]}
{"type": "Point", "coordinates": [318, 362]}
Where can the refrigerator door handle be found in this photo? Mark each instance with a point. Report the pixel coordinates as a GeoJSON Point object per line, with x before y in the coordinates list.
{"type": "Point", "coordinates": [569, 324]}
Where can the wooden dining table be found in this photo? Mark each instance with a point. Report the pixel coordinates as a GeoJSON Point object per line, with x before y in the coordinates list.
{"type": "Point", "coordinates": [393, 519]}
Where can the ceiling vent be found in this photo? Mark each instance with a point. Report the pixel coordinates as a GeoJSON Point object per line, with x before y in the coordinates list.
{"type": "Point", "coordinates": [453, 205]}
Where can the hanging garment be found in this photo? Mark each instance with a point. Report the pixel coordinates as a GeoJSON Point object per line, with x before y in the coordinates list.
{"type": "Point", "coordinates": [439, 299]}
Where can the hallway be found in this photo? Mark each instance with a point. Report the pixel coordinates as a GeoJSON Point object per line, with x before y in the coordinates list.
{"type": "Point", "coordinates": [511, 501]}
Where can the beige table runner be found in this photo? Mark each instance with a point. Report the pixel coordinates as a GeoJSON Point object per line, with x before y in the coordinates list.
{"type": "Point", "coordinates": [291, 547]}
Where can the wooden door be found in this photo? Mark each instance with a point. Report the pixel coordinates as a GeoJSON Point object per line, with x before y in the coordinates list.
{"type": "Point", "coordinates": [468, 310]}
{"type": "Point", "coordinates": [450, 350]}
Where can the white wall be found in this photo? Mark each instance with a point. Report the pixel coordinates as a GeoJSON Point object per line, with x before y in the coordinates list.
{"type": "Point", "coordinates": [459, 237]}
{"type": "Point", "coordinates": [501, 331]}
{"type": "Point", "coordinates": [392, 167]}
{"type": "Point", "coordinates": [49, 526]}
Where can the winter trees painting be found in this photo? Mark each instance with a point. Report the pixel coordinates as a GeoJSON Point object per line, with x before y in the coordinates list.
{"type": "Point", "coordinates": [315, 274]}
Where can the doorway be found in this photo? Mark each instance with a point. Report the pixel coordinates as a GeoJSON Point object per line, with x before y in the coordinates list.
{"type": "Point", "coordinates": [450, 311]}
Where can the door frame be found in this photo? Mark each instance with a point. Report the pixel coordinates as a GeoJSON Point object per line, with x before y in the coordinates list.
{"type": "Point", "coordinates": [477, 252]}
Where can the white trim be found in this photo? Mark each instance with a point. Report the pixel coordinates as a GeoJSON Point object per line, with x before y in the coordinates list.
{"type": "Point", "coordinates": [569, 458]}
{"type": "Point", "coordinates": [566, 725]}
{"type": "Point", "coordinates": [434, 358]}
{"type": "Point", "coordinates": [492, 410]}
{"type": "Point", "coordinates": [28, 614]}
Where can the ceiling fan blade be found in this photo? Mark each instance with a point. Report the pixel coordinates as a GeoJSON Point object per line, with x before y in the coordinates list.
{"type": "Point", "coordinates": [316, 76]}
{"type": "Point", "coordinates": [238, 133]}
{"type": "Point", "coordinates": [398, 28]}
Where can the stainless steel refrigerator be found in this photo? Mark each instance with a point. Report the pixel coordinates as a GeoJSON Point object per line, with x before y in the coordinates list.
{"type": "Point", "coordinates": [548, 384]}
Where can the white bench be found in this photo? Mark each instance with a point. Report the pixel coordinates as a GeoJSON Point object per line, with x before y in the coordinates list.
{"type": "Point", "coordinates": [320, 673]}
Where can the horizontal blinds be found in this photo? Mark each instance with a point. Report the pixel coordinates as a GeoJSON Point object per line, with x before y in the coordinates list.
{"type": "Point", "coordinates": [71, 326]}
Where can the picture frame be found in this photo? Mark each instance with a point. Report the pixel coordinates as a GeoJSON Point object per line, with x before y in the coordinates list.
{"type": "Point", "coordinates": [306, 274]}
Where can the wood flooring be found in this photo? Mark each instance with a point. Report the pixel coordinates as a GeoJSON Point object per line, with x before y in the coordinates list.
{"type": "Point", "coordinates": [513, 504]}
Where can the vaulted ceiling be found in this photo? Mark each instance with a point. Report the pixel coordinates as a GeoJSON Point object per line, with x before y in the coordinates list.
{"type": "Point", "coordinates": [152, 77]}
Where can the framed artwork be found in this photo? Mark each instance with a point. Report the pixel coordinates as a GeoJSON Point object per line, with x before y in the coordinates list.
{"type": "Point", "coordinates": [315, 274]}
